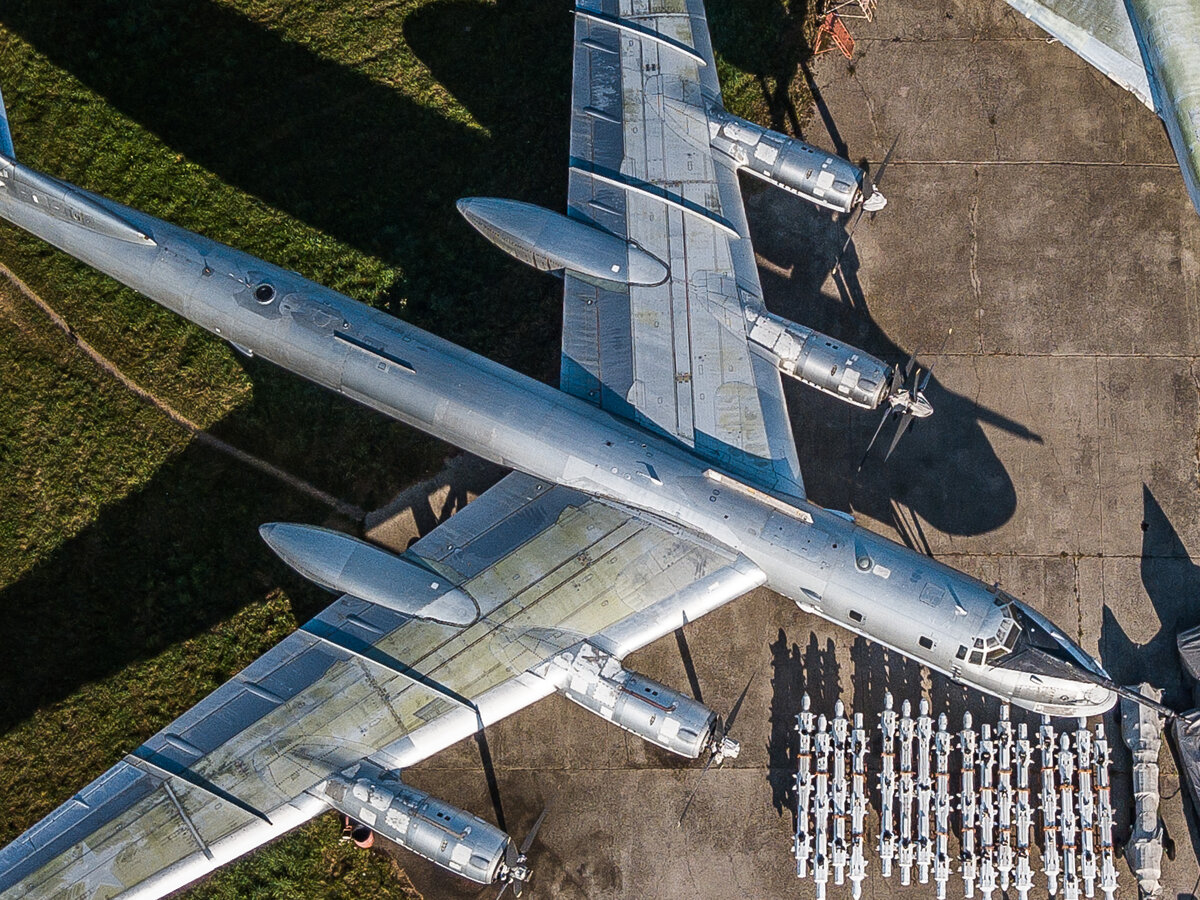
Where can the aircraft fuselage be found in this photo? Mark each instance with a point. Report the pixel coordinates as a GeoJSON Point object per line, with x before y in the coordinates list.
{"type": "Point", "coordinates": [820, 559]}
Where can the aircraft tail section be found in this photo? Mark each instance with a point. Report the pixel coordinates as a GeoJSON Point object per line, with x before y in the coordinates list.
{"type": "Point", "coordinates": [6, 144]}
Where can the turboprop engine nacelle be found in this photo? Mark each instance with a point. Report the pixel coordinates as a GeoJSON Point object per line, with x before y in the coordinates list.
{"type": "Point", "coordinates": [652, 711]}
{"type": "Point", "coordinates": [443, 834]}
{"type": "Point", "coordinates": [791, 164]}
{"type": "Point", "coordinates": [819, 360]}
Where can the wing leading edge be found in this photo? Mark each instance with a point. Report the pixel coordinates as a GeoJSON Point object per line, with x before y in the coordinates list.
{"type": "Point", "coordinates": [547, 567]}
{"type": "Point", "coordinates": [674, 357]}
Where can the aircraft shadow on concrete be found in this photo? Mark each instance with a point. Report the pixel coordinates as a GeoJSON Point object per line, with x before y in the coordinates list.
{"type": "Point", "coordinates": [945, 469]}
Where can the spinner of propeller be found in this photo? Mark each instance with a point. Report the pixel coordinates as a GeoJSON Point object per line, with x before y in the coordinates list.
{"type": "Point", "coordinates": [516, 872]}
{"type": "Point", "coordinates": [905, 400]}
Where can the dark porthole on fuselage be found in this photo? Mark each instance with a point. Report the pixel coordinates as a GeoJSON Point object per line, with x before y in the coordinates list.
{"type": "Point", "coordinates": [855, 615]}
{"type": "Point", "coordinates": [925, 642]}
{"type": "Point", "coordinates": [264, 293]}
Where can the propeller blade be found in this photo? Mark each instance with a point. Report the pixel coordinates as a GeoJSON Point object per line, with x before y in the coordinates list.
{"type": "Point", "coordinates": [905, 421]}
{"type": "Point", "coordinates": [737, 707]}
{"type": "Point", "coordinates": [849, 235]}
{"type": "Point", "coordinates": [692, 795]}
{"type": "Point", "coordinates": [878, 178]}
{"type": "Point", "coordinates": [929, 372]}
{"type": "Point", "coordinates": [913, 390]}
{"type": "Point", "coordinates": [887, 413]}
{"type": "Point", "coordinates": [528, 842]}
{"type": "Point", "coordinates": [503, 889]}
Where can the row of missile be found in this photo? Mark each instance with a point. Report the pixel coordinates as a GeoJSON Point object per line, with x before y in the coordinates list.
{"type": "Point", "coordinates": [995, 802]}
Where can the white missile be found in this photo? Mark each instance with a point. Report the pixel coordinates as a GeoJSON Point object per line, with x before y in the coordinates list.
{"type": "Point", "coordinates": [987, 812]}
{"type": "Point", "coordinates": [858, 805]}
{"type": "Point", "coordinates": [907, 793]}
{"type": "Point", "coordinates": [1024, 876]}
{"type": "Point", "coordinates": [1104, 816]}
{"type": "Point", "coordinates": [821, 748]}
{"type": "Point", "coordinates": [804, 788]}
{"type": "Point", "coordinates": [1050, 859]}
{"type": "Point", "coordinates": [346, 565]}
{"type": "Point", "coordinates": [968, 747]}
{"type": "Point", "coordinates": [941, 807]}
{"type": "Point", "coordinates": [1004, 798]}
{"type": "Point", "coordinates": [1087, 809]}
{"type": "Point", "coordinates": [887, 787]}
{"type": "Point", "coordinates": [841, 793]}
{"type": "Point", "coordinates": [924, 793]}
{"type": "Point", "coordinates": [1066, 817]}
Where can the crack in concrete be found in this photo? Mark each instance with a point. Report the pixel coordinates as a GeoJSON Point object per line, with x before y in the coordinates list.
{"type": "Point", "coordinates": [973, 260]}
{"type": "Point", "coordinates": [1078, 601]}
{"type": "Point", "coordinates": [1087, 163]}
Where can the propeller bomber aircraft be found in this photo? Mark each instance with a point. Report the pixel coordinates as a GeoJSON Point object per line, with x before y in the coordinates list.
{"type": "Point", "coordinates": [659, 483]}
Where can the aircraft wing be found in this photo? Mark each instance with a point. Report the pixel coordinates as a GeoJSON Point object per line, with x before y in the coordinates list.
{"type": "Point", "coordinates": [1100, 32]}
{"type": "Point", "coordinates": [546, 565]}
{"type": "Point", "coordinates": [674, 357]}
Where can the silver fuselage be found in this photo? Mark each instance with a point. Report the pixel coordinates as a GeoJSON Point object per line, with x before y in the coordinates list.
{"type": "Point", "coordinates": [819, 559]}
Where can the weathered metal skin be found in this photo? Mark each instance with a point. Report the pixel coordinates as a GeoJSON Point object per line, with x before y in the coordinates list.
{"type": "Point", "coordinates": [788, 163]}
{"type": "Point", "coordinates": [820, 559]}
{"type": "Point", "coordinates": [1168, 32]}
{"type": "Point", "coordinates": [443, 834]}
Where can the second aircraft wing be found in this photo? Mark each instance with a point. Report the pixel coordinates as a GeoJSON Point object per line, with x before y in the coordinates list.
{"type": "Point", "coordinates": [675, 356]}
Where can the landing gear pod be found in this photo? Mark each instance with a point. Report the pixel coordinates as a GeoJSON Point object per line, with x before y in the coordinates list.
{"type": "Point", "coordinates": [652, 711]}
{"type": "Point", "coordinates": [552, 242]}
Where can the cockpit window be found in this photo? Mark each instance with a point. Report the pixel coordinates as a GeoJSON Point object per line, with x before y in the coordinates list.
{"type": "Point", "coordinates": [995, 646]}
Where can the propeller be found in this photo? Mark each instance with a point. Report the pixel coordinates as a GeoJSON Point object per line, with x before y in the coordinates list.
{"type": "Point", "coordinates": [721, 748]}
{"type": "Point", "coordinates": [870, 192]}
{"type": "Point", "coordinates": [906, 404]}
{"type": "Point", "coordinates": [516, 873]}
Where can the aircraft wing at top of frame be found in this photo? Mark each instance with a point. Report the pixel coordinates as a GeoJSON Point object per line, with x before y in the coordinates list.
{"type": "Point", "coordinates": [1149, 47]}
{"type": "Point", "coordinates": [674, 356]}
{"type": "Point", "coordinates": [365, 689]}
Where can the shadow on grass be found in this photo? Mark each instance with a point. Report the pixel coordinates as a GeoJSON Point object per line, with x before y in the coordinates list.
{"type": "Point", "coordinates": [347, 154]}
{"type": "Point", "coordinates": [160, 566]}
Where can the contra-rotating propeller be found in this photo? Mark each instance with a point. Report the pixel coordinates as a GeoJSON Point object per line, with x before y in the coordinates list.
{"type": "Point", "coordinates": [872, 201]}
{"type": "Point", "coordinates": [906, 401]}
{"type": "Point", "coordinates": [720, 748]}
{"type": "Point", "coordinates": [516, 872]}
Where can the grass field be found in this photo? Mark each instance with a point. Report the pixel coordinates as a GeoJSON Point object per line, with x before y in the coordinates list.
{"type": "Point", "coordinates": [328, 136]}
